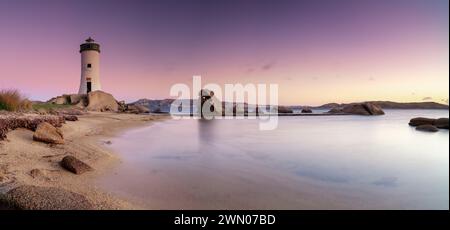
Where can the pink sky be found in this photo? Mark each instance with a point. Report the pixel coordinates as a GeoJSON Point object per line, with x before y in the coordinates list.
{"type": "Point", "coordinates": [316, 52]}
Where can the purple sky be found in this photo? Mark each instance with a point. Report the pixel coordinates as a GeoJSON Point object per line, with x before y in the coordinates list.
{"type": "Point", "coordinates": [317, 51]}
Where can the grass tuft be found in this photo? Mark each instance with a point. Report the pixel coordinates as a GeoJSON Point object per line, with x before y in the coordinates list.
{"type": "Point", "coordinates": [13, 100]}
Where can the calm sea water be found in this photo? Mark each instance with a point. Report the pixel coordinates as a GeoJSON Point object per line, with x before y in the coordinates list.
{"type": "Point", "coordinates": [329, 162]}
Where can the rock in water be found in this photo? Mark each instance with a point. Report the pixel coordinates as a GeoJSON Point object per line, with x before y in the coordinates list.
{"type": "Point", "coordinates": [421, 121]}
{"type": "Point", "coordinates": [284, 109]}
{"type": "Point", "coordinates": [441, 123]}
{"type": "Point", "coordinates": [306, 110]}
{"type": "Point", "coordinates": [27, 197]}
{"type": "Point", "coordinates": [74, 165]}
{"type": "Point", "coordinates": [47, 133]}
{"type": "Point", "coordinates": [427, 128]}
{"type": "Point", "coordinates": [101, 101]}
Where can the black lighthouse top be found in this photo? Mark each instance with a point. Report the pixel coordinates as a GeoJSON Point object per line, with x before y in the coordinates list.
{"type": "Point", "coordinates": [90, 45]}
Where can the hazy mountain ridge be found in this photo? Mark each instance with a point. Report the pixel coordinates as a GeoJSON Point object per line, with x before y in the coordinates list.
{"type": "Point", "coordinates": [163, 105]}
{"type": "Point", "coordinates": [391, 105]}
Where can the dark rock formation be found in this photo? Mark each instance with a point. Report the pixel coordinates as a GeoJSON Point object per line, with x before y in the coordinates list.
{"type": "Point", "coordinates": [47, 133]}
{"type": "Point", "coordinates": [365, 108]}
{"type": "Point", "coordinates": [306, 110]}
{"type": "Point", "coordinates": [284, 109]}
{"type": "Point", "coordinates": [27, 197]}
{"type": "Point", "coordinates": [74, 165]}
{"type": "Point", "coordinates": [421, 121]}
{"type": "Point", "coordinates": [441, 123]}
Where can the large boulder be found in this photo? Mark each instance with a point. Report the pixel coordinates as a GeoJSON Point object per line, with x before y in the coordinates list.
{"type": "Point", "coordinates": [74, 165]}
{"type": "Point", "coordinates": [427, 128]}
{"type": "Point", "coordinates": [27, 197]}
{"type": "Point", "coordinates": [60, 100]}
{"type": "Point", "coordinates": [101, 101]}
{"type": "Point", "coordinates": [77, 99]}
{"type": "Point", "coordinates": [45, 132]}
{"type": "Point", "coordinates": [421, 121]}
{"type": "Point", "coordinates": [441, 123]}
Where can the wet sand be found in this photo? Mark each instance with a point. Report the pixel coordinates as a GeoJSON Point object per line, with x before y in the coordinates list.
{"type": "Point", "coordinates": [86, 139]}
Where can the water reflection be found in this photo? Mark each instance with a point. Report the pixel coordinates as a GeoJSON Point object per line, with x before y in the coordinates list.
{"type": "Point", "coordinates": [206, 130]}
{"type": "Point", "coordinates": [342, 162]}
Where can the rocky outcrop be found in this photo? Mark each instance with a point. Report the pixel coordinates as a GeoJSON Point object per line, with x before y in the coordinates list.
{"type": "Point", "coordinates": [335, 110]}
{"type": "Point", "coordinates": [427, 128]}
{"type": "Point", "coordinates": [441, 123]}
{"type": "Point", "coordinates": [69, 99]}
{"type": "Point", "coordinates": [77, 98]}
{"type": "Point", "coordinates": [47, 133]}
{"type": "Point", "coordinates": [137, 109]}
{"type": "Point", "coordinates": [284, 109]}
{"type": "Point", "coordinates": [366, 109]}
{"type": "Point", "coordinates": [306, 110]}
{"type": "Point", "coordinates": [122, 106]}
{"type": "Point", "coordinates": [101, 101]}
{"type": "Point", "coordinates": [27, 197]}
{"type": "Point", "coordinates": [74, 165]}
{"type": "Point", "coordinates": [93, 101]}
{"type": "Point", "coordinates": [11, 121]}
{"type": "Point", "coordinates": [429, 124]}
{"type": "Point", "coordinates": [421, 121]}
{"type": "Point", "coordinates": [159, 106]}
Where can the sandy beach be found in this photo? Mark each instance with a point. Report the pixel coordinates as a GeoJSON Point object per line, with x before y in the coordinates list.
{"type": "Point", "coordinates": [86, 139]}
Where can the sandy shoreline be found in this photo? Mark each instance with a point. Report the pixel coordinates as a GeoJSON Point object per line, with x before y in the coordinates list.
{"type": "Point", "coordinates": [85, 139]}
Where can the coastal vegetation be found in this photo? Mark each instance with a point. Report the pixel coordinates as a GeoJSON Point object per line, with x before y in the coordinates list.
{"type": "Point", "coordinates": [13, 100]}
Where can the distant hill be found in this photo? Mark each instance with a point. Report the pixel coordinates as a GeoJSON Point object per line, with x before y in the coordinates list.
{"type": "Point", "coordinates": [393, 105]}
{"type": "Point", "coordinates": [163, 106]}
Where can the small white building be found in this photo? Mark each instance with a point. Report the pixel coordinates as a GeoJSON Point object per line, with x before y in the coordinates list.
{"type": "Point", "coordinates": [90, 66]}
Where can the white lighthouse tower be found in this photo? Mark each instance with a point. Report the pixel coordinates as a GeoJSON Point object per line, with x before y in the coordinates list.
{"type": "Point", "coordinates": [90, 66]}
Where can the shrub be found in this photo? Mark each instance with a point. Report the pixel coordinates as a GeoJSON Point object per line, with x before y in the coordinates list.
{"type": "Point", "coordinates": [12, 100]}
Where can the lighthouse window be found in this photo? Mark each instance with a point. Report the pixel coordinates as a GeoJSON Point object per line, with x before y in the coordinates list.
{"type": "Point", "coordinates": [89, 65]}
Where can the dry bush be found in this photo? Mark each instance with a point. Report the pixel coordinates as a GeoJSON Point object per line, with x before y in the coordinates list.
{"type": "Point", "coordinates": [12, 100]}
